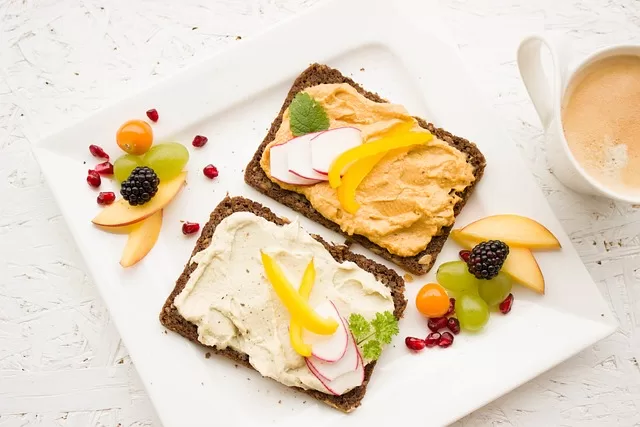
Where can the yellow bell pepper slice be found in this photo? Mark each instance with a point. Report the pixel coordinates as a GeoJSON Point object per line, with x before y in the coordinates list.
{"type": "Point", "coordinates": [295, 329]}
{"type": "Point", "coordinates": [297, 306]}
{"type": "Point", "coordinates": [352, 179]}
{"type": "Point", "coordinates": [381, 145]}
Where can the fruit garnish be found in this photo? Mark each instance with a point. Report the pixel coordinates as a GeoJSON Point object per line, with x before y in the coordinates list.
{"type": "Point", "coordinates": [452, 307]}
{"type": "Point", "coordinates": [432, 300]}
{"type": "Point", "coordinates": [199, 141]}
{"type": "Point", "coordinates": [135, 137]}
{"type": "Point", "coordinates": [166, 159]}
{"type": "Point", "coordinates": [514, 230]}
{"type": "Point", "coordinates": [122, 213]}
{"type": "Point", "coordinates": [446, 339]}
{"type": "Point", "coordinates": [190, 228]}
{"type": "Point", "coordinates": [415, 344]}
{"type": "Point", "coordinates": [455, 276]}
{"type": "Point", "coordinates": [494, 291]}
{"type": "Point", "coordinates": [306, 115]}
{"type": "Point", "coordinates": [153, 115]}
{"type": "Point", "coordinates": [436, 323]}
{"type": "Point", "coordinates": [210, 171]}
{"type": "Point", "coordinates": [124, 165]}
{"type": "Point", "coordinates": [453, 325]}
{"type": "Point", "coordinates": [141, 240]}
{"type": "Point", "coordinates": [106, 197]}
{"type": "Point", "coordinates": [105, 168]}
{"type": "Point", "coordinates": [295, 329]}
{"type": "Point", "coordinates": [382, 145]}
{"type": "Point", "coordinates": [472, 311]}
{"type": "Point", "coordinates": [352, 179]}
{"type": "Point", "coordinates": [97, 151]}
{"type": "Point", "coordinates": [486, 259]}
{"type": "Point", "coordinates": [93, 178]}
{"type": "Point", "coordinates": [505, 306]}
{"type": "Point", "coordinates": [432, 339]}
{"type": "Point", "coordinates": [464, 255]}
{"type": "Point", "coordinates": [141, 186]}
{"type": "Point", "coordinates": [295, 304]}
{"type": "Point", "coordinates": [371, 336]}
{"type": "Point", "coordinates": [521, 265]}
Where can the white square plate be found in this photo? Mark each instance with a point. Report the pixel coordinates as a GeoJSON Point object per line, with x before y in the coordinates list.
{"type": "Point", "coordinates": [232, 98]}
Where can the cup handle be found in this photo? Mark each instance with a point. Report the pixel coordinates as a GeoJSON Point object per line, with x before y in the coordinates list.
{"type": "Point", "coordinates": [542, 92]}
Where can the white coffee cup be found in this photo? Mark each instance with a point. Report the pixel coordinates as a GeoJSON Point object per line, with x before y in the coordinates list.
{"type": "Point", "coordinates": [547, 94]}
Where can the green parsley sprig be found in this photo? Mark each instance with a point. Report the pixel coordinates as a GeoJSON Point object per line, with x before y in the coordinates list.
{"type": "Point", "coordinates": [371, 336]}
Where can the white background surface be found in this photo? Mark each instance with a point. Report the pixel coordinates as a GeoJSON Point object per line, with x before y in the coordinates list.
{"type": "Point", "coordinates": [61, 360]}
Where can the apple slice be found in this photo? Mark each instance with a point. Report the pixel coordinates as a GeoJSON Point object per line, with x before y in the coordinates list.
{"type": "Point", "coordinates": [514, 230]}
{"type": "Point", "coordinates": [299, 157]}
{"type": "Point", "coordinates": [348, 362]}
{"type": "Point", "coordinates": [279, 165]}
{"type": "Point", "coordinates": [344, 382]}
{"type": "Point", "coordinates": [520, 264]}
{"type": "Point", "coordinates": [328, 348]}
{"type": "Point", "coordinates": [329, 144]}
{"type": "Point", "coordinates": [141, 240]}
{"type": "Point", "coordinates": [122, 213]}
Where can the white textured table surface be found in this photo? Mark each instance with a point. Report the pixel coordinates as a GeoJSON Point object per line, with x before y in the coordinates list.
{"type": "Point", "coordinates": [61, 360]}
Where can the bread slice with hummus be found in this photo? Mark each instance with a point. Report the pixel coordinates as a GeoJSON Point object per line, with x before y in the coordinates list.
{"type": "Point", "coordinates": [221, 299]}
{"type": "Point", "coordinates": [409, 201]}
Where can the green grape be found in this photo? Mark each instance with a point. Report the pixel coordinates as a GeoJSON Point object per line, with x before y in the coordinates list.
{"type": "Point", "coordinates": [124, 165]}
{"type": "Point", "coordinates": [167, 159]}
{"type": "Point", "coordinates": [455, 276]}
{"type": "Point", "coordinates": [494, 291]}
{"type": "Point", "coordinates": [472, 312]}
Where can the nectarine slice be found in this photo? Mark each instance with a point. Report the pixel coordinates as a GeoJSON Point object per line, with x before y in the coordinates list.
{"type": "Point", "coordinates": [122, 213]}
{"type": "Point", "coordinates": [142, 239]}
{"type": "Point", "coordinates": [514, 230]}
{"type": "Point", "coordinates": [520, 264]}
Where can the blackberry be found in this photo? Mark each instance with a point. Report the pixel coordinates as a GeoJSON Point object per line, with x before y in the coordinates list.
{"type": "Point", "coordinates": [141, 186]}
{"type": "Point", "coordinates": [486, 259]}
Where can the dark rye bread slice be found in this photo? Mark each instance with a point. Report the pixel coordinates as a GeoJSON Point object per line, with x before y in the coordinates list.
{"type": "Point", "coordinates": [256, 177]}
{"type": "Point", "coordinates": [172, 320]}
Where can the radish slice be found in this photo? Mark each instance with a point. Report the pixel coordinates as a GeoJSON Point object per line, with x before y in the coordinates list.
{"type": "Point", "coordinates": [328, 145]}
{"type": "Point", "coordinates": [328, 348]}
{"type": "Point", "coordinates": [343, 383]}
{"type": "Point", "coordinates": [280, 168]}
{"type": "Point", "coordinates": [299, 157]}
{"type": "Point", "coordinates": [348, 362]}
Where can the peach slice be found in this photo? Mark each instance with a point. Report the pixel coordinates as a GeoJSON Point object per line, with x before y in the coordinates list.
{"type": "Point", "coordinates": [122, 213]}
{"type": "Point", "coordinates": [142, 239]}
{"type": "Point", "coordinates": [514, 230]}
{"type": "Point", "coordinates": [520, 264]}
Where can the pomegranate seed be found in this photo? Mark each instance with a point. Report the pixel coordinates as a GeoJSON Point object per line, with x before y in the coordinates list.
{"type": "Point", "coordinates": [199, 141]}
{"type": "Point", "coordinates": [105, 168]}
{"type": "Point", "coordinates": [210, 171]}
{"type": "Point", "coordinates": [93, 178]}
{"type": "Point", "coordinates": [505, 306]}
{"type": "Point", "coordinates": [452, 307]}
{"type": "Point", "coordinates": [446, 339]}
{"type": "Point", "coordinates": [190, 227]}
{"type": "Point", "coordinates": [153, 115]}
{"type": "Point", "coordinates": [106, 197]}
{"type": "Point", "coordinates": [437, 323]}
{"type": "Point", "coordinates": [432, 339]}
{"type": "Point", "coordinates": [98, 152]}
{"type": "Point", "coordinates": [454, 325]}
{"type": "Point", "coordinates": [415, 344]}
{"type": "Point", "coordinates": [464, 255]}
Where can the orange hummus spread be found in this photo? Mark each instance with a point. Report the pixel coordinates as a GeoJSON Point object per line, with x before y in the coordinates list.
{"type": "Point", "coordinates": [408, 196]}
